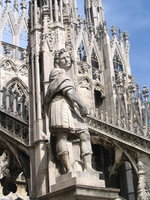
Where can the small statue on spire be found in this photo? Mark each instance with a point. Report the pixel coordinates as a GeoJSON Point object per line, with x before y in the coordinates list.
{"type": "Point", "coordinates": [7, 1]}
{"type": "Point", "coordinates": [23, 4]}
{"type": "Point", "coordinates": [16, 6]}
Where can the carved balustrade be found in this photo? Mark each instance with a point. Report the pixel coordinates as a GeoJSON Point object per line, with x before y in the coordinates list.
{"type": "Point", "coordinates": [15, 52]}
{"type": "Point", "coordinates": [105, 129]}
{"type": "Point", "coordinates": [14, 114]}
{"type": "Point", "coordinates": [14, 127]}
{"type": "Point", "coordinates": [13, 103]}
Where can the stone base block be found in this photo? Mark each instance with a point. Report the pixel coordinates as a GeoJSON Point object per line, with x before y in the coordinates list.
{"type": "Point", "coordinates": [96, 175]}
{"type": "Point", "coordinates": [78, 178]}
{"type": "Point", "coordinates": [80, 186]}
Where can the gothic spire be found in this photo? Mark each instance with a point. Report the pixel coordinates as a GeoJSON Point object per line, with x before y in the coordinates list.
{"type": "Point", "coordinates": [94, 12]}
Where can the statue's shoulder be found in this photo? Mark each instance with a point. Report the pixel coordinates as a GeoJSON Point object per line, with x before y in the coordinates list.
{"type": "Point", "coordinates": [57, 71]}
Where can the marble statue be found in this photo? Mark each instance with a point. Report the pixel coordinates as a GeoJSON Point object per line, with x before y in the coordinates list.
{"type": "Point", "coordinates": [66, 112]}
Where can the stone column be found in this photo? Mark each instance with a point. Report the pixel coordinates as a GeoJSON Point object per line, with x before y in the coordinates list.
{"type": "Point", "coordinates": [61, 14]}
{"type": "Point", "coordinates": [1, 98]}
{"type": "Point", "coordinates": [51, 11]}
{"type": "Point", "coordinates": [56, 10]}
{"type": "Point", "coordinates": [15, 103]}
{"type": "Point", "coordinates": [8, 100]}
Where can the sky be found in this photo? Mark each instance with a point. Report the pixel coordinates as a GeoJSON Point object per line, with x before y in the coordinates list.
{"type": "Point", "coordinates": [132, 16]}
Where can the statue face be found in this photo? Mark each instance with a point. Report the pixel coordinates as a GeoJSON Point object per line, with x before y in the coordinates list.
{"type": "Point", "coordinates": [65, 60]}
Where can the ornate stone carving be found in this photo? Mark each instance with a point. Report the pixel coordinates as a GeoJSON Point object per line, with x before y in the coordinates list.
{"type": "Point", "coordinates": [23, 70]}
{"type": "Point", "coordinates": [84, 69]}
{"type": "Point", "coordinates": [100, 88]}
{"type": "Point", "coordinates": [8, 65]}
{"type": "Point", "coordinates": [85, 83]}
{"type": "Point", "coordinates": [96, 74]}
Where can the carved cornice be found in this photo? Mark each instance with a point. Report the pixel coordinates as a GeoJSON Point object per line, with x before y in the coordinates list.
{"type": "Point", "coordinates": [106, 130]}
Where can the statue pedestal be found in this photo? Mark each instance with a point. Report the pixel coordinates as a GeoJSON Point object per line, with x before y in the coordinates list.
{"type": "Point", "coordinates": [80, 186]}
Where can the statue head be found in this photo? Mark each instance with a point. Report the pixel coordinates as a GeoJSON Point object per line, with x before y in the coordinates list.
{"type": "Point", "coordinates": [62, 59]}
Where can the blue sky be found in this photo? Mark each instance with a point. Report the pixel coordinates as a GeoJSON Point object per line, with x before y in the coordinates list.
{"type": "Point", "coordinates": [132, 16]}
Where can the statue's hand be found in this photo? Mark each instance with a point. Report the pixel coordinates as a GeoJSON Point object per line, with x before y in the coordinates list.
{"type": "Point", "coordinates": [84, 111]}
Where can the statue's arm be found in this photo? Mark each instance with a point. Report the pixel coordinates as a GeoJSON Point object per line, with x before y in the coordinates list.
{"type": "Point", "coordinates": [74, 98]}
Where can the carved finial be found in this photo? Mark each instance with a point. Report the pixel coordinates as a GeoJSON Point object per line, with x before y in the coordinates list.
{"type": "Point", "coordinates": [16, 5]}
{"type": "Point", "coordinates": [7, 1]}
{"type": "Point", "coordinates": [138, 91]}
{"type": "Point", "coordinates": [125, 36]}
{"type": "Point", "coordinates": [7, 50]}
{"type": "Point", "coordinates": [113, 30]}
{"type": "Point", "coordinates": [145, 91]}
{"type": "Point", "coordinates": [23, 55]}
{"type": "Point", "coordinates": [23, 4]}
{"type": "Point", "coordinates": [120, 34]}
{"type": "Point", "coordinates": [132, 86]}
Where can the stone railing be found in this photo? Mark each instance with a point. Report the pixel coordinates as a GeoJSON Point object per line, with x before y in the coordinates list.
{"type": "Point", "coordinates": [123, 123]}
{"type": "Point", "coordinates": [14, 127]}
{"type": "Point", "coordinates": [106, 129]}
{"type": "Point", "coordinates": [14, 103]}
{"type": "Point", "coordinates": [14, 116]}
{"type": "Point", "coordinates": [15, 52]}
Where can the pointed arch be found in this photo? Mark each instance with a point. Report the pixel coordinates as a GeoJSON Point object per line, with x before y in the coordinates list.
{"type": "Point", "coordinates": [100, 88]}
{"type": "Point", "coordinates": [98, 94]}
{"type": "Point", "coordinates": [17, 85]}
{"type": "Point", "coordinates": [82, 37]}
{"type": "Point", "coordinates": [129, 157]}
{"type": "Point", "coordinates": [17, 89]}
